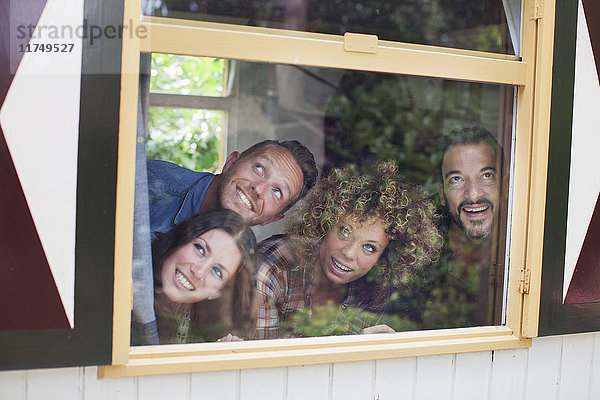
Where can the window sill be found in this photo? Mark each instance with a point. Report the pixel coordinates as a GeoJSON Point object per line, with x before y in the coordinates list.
{"type": "Point", "coordinates": [202, 357]}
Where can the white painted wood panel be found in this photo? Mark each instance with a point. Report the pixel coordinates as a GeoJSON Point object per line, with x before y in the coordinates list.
{"type": "Point", "coordinates": [508, 374]}
{"type": "Point", "coordinates": [107, 389]}
{"type": "Point", "coordinates": [395, 379]}
{"type": "Point", "coordinates": [595, 373]}
{"type": "Point", "coordinates": [575, 382]}
{"type": "Point", "coordinates": [543, 368]}
{"type": "Point", "coordinates": [222, 385]}
{"type": "Point", "coordinates": [13, 385]}
{"type": "Point", "coordinates": [266, 383]}
{"type": "Point", "coordinates": [166, 387]}
{"type": "Point", "coordinates": [309, 382]}
{"type": "Point", "coordinates": [472, 375]}
{"type": "Point", "coordinates": [434, 377]}
{"type": "Point", "coordinates": [554, 368]}
{"type": "Point", "coordinates": [56, 383]}
{"type": "Point", "coordinates": [352, 380]}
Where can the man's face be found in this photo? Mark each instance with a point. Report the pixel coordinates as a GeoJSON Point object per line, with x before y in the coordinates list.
{"type": "Point", "coordinates": [260, 185]}
{"type": "Point", "coordinates": [470, 188]}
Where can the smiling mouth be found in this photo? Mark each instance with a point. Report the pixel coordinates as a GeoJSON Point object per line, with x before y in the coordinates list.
{"type": "Point", "coordinates": [182, 280]}
{"type": "Point", "coordinates": [475, 211]}
{"type": "Point", "coordinates": [245, 199]}
{"type": "Point", "coordinates": [338, 265]}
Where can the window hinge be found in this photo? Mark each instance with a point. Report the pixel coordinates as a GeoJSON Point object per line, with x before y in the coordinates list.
{"type": "Point", "coordinates": [537, 11]}
{"type": "Point", "coordinates": [524, 281]}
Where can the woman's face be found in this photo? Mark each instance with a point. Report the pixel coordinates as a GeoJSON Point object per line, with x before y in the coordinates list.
{"type": "Point", "coordinates": [199, 270]}
{"type": "Point", "coordinates": [349, 251]}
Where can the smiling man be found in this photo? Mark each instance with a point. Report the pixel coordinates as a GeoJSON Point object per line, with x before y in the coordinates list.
{"type": "Point", "coordinates": [469, 189]}
{"type": "Point", "coordinates": [260, 184]}
{"type": "Point", "coordinates": [468, 184]}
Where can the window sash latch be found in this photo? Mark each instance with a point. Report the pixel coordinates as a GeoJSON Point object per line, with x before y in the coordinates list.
{"type": "Point", "coordinates": [360, 43]}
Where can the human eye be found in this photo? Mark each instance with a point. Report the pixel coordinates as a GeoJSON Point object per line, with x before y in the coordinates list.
{"type": "Point", "coordinates": [260, 169]}
{"type": "Point", "coordinates": [277, 193]}
{"type": "Point", "coordinates": [199, 248]}
{"type": "Point", "coordinates": [344, 232]}
{"type": "Point", "coordinates": [218, 272]}
{"type": "Point", "coordinates": [369, 248]}
{"type": "Point", "coordinates": [488, 175]}
{"type": "Point", "coordinates": [455, 179]}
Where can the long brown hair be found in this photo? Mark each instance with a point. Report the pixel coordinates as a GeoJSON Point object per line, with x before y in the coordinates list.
{"type": "Point", "coordinates": [236, 305]}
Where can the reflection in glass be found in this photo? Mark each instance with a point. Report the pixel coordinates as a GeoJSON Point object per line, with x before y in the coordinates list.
{"type": "Point", "coordinates": [351, 243]}
{"type": "Point", "coordinates": [190, 138]}
{"type": "Point", "coordinates": [464, 24]}
{"type": "Point", "coordinates": [353, 118]}
{"type": "Point", "coordinates": [202, 76]}
{"type": "Point", "coordinates": [207, 257]}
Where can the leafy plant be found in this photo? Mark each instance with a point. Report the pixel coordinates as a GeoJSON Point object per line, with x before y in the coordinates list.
{"type": "Point", "coordinates": [332, 319]}
{"type": "Point", "coordinates": [188, 137]}
{"type": "Point", "coordinates": [200, 76]}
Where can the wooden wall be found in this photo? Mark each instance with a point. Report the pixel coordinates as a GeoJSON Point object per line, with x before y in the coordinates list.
{"type": "Point", "coordinates": [556, 367]}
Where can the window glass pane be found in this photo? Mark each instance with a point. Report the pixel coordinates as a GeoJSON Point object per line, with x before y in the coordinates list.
{"type": "Point", "coordinates": [350, 121]}
{"type": "Point", "coordinates": [202, 76]}
{"type": "Point", "coordinates": [187, 137]}
{"type": "Point", "coordinates": [474, 25]}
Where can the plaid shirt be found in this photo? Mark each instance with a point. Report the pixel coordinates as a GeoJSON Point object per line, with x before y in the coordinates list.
{"type": "Point", "coordinates": [283, 286]}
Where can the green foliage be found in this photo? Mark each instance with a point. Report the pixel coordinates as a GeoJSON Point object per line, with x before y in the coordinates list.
{"type": "Point", "coordinates": [404, 118]}
{"type": "Point", "coordinates": [201, 76]}
{"type": "Point", "coordinates": [448, 301]}
{"type": "Point", "coordinates": [188, 137]}
{"type": "Point", "coordinates": [332, 319]}
{"type": "Point", "coordinates": [443, 296]}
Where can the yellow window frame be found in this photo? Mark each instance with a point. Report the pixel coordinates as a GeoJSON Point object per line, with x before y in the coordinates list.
{"type": "Point", "coordinates": [531, 74]}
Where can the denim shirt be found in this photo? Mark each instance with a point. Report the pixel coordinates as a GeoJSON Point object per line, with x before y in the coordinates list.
{"type": "Point", "coordinates": [175, 194]}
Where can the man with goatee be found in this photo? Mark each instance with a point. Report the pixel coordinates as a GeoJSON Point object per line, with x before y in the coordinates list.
{"type": "Point", "coordinates": [469, 193]}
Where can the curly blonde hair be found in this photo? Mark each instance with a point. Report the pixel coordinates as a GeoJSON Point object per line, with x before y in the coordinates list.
{"type": "Point", "coordinates": [376, 193]}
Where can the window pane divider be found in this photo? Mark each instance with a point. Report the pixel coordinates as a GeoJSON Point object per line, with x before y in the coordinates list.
{"type": "Point", "coordinates": [150, 20]}
{"type": "Point", "coordinates": [190, 101]}
{"type": "Point", "coordinates": [195, 38]}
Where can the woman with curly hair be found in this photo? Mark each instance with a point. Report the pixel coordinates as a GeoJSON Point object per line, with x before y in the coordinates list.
{"type": "Point", "coordinates": [353, 223]}
{"type": "Point", "coordinates": [204, 279]}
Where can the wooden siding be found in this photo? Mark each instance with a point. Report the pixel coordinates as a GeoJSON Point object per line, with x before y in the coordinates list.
{"type": "Point", "coordinates": [557, 367]}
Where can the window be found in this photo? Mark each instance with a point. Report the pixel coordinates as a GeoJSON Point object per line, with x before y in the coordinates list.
{"type": "Point", "coordinates": [466, 25]}
{"type": "Point", "coordinates": [324, 70]}
{"type": "Point", "coordinates": [181, 126]}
